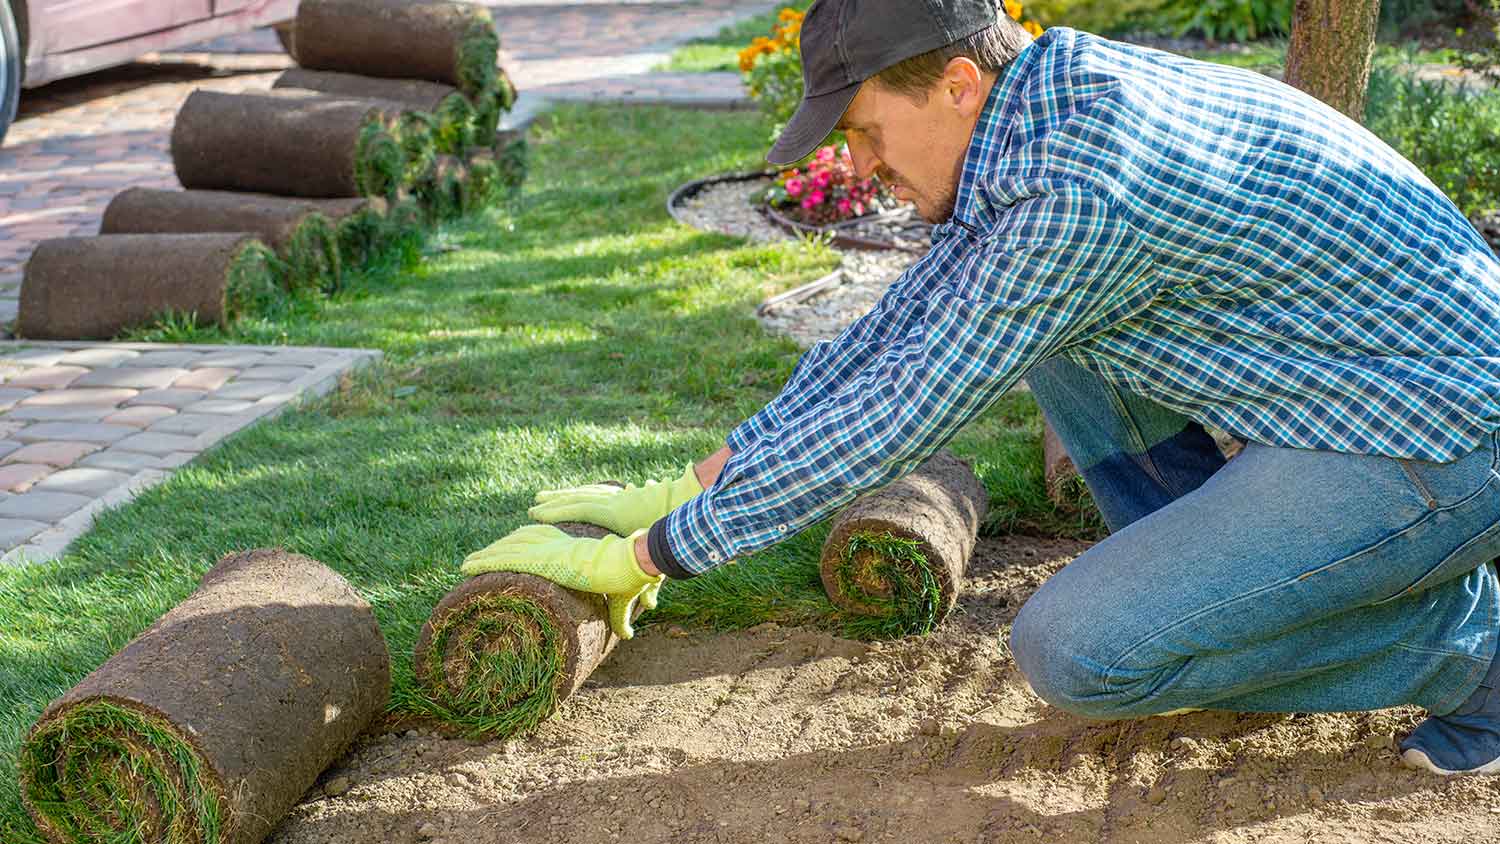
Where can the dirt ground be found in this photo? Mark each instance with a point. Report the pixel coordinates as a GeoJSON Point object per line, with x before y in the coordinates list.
{"type": "Point", "coordinates": [778, 734]}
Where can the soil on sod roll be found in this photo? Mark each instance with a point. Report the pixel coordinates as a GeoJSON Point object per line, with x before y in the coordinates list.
{"type": "Point", "coordinates": [897, 555]}
{"type": "Point", "coordinates": [453, 114]}
{"type": "Point", "coordinates": [92, 288]}
{"type": "Point", "coordinates": [301, 235]}
{"type": "Point", "coordinates": [502, 650]}
{"type": "Point", "coordinates": [455, 43]}
{"type": "Point", "coordinates": [212, 723]}
{"type": "Point", "coordinates": [289, 143]}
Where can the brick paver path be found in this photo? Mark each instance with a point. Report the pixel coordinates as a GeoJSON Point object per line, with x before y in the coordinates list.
{"type": "Point", "coordinates": [84, 426]}
{"type": "Point", "coordinates": [78, 142]}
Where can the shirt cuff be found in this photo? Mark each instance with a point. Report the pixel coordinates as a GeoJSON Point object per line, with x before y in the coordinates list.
{"type": "Point", "coordinates": [661, 553]}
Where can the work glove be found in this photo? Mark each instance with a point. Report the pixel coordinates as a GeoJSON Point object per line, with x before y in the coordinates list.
{"type": "Point", "coordinates": [619, 510]}
{"type": "Point", "coordinates": [604, 566]}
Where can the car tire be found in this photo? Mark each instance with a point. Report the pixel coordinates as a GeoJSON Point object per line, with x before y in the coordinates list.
{"type": "Point", "coordinates": [286, 33]}
{"type": "Point", "coordinates": [10, 67]}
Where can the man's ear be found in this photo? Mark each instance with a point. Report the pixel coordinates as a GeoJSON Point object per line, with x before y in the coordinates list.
{"type": "Point", "coordinates": [963, 86]}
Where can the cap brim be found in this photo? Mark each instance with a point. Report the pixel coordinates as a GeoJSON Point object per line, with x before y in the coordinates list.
{"type": "Point", "coordinates": [815, 118]}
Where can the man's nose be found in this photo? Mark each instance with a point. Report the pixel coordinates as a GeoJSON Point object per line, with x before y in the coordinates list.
{"type": "Point", "coordinates": [865, 160]}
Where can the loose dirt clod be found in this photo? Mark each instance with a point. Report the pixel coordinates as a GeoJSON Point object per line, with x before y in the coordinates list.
{"type": "Point", "coordinates": [292, 143]}
{"type": "Point", "coordinates": [898, 554]}
{"type": "Point", "coordinates": [502, 650]}
{"type": "Point", "coordinates": [212, 723]}
{"type": "Point", "coordinates": [454, 43]}
{"type": "Point", "coordinates": [296, 230]}
{"type": "Point", "coordinates": [92, 288]}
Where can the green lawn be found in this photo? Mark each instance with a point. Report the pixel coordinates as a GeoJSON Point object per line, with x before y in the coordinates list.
{"type": "Point", "coordinates": [575, 335]}
{"type": "Point", "coordinates": [722, 51]}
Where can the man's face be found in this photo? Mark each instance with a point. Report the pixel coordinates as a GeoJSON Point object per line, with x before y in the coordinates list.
{"type": "Point", "coordinates": [917, 148]}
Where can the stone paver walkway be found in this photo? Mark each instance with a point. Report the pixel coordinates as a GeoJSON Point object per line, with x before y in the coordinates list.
{"type": "Point", "coordinates": [85, 426]}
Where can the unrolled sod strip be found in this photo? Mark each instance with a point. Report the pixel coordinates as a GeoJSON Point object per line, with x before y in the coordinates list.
{"type": "Point", "coordinates": [502, 650]}
{"type": "Point", "coordinates": [452, 112]}
{"type": "Point", "coordinates": [211, 725]}
{"type": "Point", "coordinates": [898, 555]}
{"type": "Point", "coordinates": [296, 229]}
{"type": "Point", "coordinates": [92, 288]}
{"type": "Point", "coordinates": [454, 43]}
{"type": "Point", "coordinates": [289, 143]}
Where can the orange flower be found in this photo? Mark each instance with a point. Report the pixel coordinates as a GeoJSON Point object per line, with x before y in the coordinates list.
{"type": "Point", "coordinates": [1013, 8]}
{"type": "Point", "coordinates": [789, 15]}
{"type": "Point", "coordinates": [1033, 27]}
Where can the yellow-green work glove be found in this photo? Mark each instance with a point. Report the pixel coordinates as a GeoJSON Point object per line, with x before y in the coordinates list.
{"type": "Point", "coordinates": [604, 566]}
{"type": "Point", "coordinates": [619, 510]}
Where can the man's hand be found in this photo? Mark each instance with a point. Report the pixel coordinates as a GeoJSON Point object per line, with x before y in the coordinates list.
{"type": "Point", "coordinates": [604, 566]}
{"type": "Point", "coordinates": [620, 510]}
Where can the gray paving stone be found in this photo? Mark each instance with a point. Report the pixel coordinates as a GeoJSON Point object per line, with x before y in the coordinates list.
{"type": "Point", "coordinates": [10, 395]}
{"type": "Point", "coordinates": [301, 357]}
{"type": "Point", "coordinates": [250, 390]}
{"type": "Point", "coordinates": [139, 377]}
{"type": "Point", "coordinates": [15, 531]}
{"type": "Point", "coordinates": [90, 482]}
{"type": "Point", "coordinates": [151, 443]}
{"type": "Point", "coordinates": [87, 432]}
{"type": "Point", "coordinates": [128, 462]}
{"type": "Point", "coordinates": [190, 424]}
{"type": "Point", "coordinates": [7, 446]}
{"type": "Point", "coordinates": [178, 358]}
{"type": "Point", "coordinates": [221, 406]}
{"type": "Point", "coordinates": [233, 360]}
{"type": "Point", "coordinates": [41, 506]}
{"type": "Point", "coordinates": [85, 413]}
{"type": "Point", "coordinates": [274, 373]}
{"type": "Point", "coordinates": [168, 398]}
{"type": "Point", "coordinates": [35, 357]}
{"type": "Point", "coordinates": [98, 356]}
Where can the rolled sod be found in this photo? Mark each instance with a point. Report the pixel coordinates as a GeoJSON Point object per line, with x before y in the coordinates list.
{"type": "Point", "coordinates": [442, 191]}
{"type": "Point", "coordinates": [289, 143]}
{"type": "Point", "coordinates": [453, 114]}
{"type": "Point", "coordinates": [210, 725]}
{"type": "Point", "coordinates": [490, 105]}
{"type": "Point", "coordinates": [454, 43]}
{"type": "Point", "coordinates": [502, 650]}
{"type": "Point", "coordinates": [302, 236]}
{"type": "Point", "coordinates": [504, 163]}
{"type": "Point", "coordinates": [898, 555]}
{"type": "Point", "coordinates": [92, 288]}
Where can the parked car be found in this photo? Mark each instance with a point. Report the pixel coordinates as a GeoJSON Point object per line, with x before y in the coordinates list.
{"type": "Point", "coordinates": [44, 40]}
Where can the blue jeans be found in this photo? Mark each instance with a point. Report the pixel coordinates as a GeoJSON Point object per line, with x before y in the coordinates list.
{"type": "Point", "coordinates": [1285, 580]}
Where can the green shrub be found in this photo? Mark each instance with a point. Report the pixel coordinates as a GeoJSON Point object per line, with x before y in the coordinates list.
{"type": "Point", "coordinates": [1229, 20]}
{"type": "Point", "coordinates": [1452, 134]}
{"type": "Point", "coordinates": [1483, 56]}
{"type": "Point", "coordinates": [1099, 16]}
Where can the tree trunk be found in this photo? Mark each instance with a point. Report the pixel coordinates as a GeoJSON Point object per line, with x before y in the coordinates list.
{"type": "Point", "coordinates": [1333, 42]}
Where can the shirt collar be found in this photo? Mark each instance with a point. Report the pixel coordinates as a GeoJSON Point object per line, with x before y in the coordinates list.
{"type": "Point", "coordinates": [985, 145]}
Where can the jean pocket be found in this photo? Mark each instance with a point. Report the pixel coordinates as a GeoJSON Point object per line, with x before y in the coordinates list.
{"type": "Point", "coordinates": [1445, 485]}
{"type": "Point", "coordinates": [1467, 557]}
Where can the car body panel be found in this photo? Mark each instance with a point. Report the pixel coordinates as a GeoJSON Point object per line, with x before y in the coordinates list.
{"type": "Point", "coordinates": [70, 37]}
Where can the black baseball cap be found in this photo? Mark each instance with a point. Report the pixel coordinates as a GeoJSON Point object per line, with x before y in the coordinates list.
{"type": "Point", "coordinates": [845, 42]}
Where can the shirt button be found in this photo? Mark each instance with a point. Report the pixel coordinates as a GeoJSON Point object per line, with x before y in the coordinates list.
{"type": "Point", "coordinates": [781, 528]}
{"type": "Point", "coordinates": [714, 556]}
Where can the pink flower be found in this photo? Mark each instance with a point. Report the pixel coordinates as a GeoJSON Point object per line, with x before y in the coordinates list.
{"type": "Point", "coordinates": [807, 201]}
{"type": "Point", "coordinates": [844, 206]}
{"type": "Point", "coordinates": [817, 197]}
{"type": "Point", "coordinates": [859, 208]}
{"type": "Point", "coordinates": [826, 153]}
{"type": "Point", "coordinates": [822, 179]}
{"type": "Point", "coordinates": [794, 187]}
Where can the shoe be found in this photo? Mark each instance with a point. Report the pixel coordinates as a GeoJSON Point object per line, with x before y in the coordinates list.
{"type": "Point", "coordinates": [1465, 741]}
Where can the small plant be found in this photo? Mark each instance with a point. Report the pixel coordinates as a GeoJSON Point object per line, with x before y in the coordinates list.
{"type": "Point", "coordinates": [1484, 58]}
{"type": "Point", "coordinates": [1230, 20]}
{"type": "Point", "coordinates": [826, 190]}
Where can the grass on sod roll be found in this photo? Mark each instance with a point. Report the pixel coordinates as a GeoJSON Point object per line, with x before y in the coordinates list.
{"type": "Point", "coordinates": [911, 608]}
{"type": "Point", "coordinates": [531, 669]}
{"type": "Point", "coordinates": [68, 768]}
{"type": "Point", "coordinates": [455, 125]}
{"type": "Point", "coordinates": [380, 161]}
{"type": "Point", "coordinates": [478, 58]}
{"type": "Point", "coordinates": [571, 334]}
{"type": "Point", "coordinates": [313, 257]}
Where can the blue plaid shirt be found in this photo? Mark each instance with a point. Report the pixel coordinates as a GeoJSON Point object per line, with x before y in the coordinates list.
{"type": "Point", "coordinates": [1201, 235]}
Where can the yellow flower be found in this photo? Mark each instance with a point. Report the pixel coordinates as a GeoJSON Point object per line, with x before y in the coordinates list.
{"type": "Point", "coordinates": [1034, 28]}
{"type": "Point", "coordinates": [789, 15]}
{"type": "Point", "coordinates": [1013, 8]}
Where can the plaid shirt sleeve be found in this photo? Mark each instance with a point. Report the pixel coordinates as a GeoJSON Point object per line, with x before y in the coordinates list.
{"type": "Point", "coordinates": [991, 306]}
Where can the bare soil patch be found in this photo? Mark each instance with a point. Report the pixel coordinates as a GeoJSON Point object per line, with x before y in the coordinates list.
{"type": "Point", "coordinates": [781, 734]}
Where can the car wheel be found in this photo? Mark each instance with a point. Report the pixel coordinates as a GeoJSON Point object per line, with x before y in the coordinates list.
{"type": "Point", "coordinates": [10, 67]}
